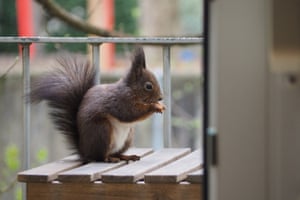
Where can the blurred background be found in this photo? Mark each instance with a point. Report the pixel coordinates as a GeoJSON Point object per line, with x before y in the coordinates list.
{"type": "Point", "coordinates": [127, 18]}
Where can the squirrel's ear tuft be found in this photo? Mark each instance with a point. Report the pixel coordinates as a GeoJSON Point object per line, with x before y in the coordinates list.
{"type": "Point", "coordinates": [138, 65]}
{"type": "Point", "coordinates": [138, 58]}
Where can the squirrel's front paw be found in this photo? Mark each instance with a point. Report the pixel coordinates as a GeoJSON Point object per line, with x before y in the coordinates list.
{"type": "Point", "coordinates": [158, 107]}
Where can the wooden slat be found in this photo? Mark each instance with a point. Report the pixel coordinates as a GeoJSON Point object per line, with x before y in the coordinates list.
{"type": "Point", "coordinates": [176, 171]}
{"type": "Point", "coordinates": [195, 177]}
{"type": "Point", "coordinates": [49, 172]}
{"type": "Point", "coordinates": [135, 171]}
{"type": "Point", "coordinates": [92, 171]}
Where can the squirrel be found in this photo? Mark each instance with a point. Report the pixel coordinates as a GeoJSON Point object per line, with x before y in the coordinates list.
{"type": "Point", "coordinates": [98, 119]}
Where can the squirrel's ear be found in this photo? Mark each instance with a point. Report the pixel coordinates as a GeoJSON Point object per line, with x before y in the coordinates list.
{"type": "Point", "coordinates": [138, 58]}
{"type": "Point", "coordinates": [137, 66]}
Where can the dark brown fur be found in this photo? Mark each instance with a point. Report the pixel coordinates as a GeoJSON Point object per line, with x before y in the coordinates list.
{"type": "Point", "coordinates": [82, 110]}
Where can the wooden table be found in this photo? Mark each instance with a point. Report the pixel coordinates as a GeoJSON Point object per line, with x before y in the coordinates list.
{"type": "Point", "coordinates": [164, 174]}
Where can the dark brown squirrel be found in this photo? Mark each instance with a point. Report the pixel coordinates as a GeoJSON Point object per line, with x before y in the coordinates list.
{"type": "Point", "coordinates": [98, 119]}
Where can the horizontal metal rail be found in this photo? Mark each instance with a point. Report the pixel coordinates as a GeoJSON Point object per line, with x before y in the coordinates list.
{"type": "Point", "coordinates": [99, 40]}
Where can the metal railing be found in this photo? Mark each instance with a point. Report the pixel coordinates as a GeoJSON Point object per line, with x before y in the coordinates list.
{"type": "Point", "coordinates": [95, 42]}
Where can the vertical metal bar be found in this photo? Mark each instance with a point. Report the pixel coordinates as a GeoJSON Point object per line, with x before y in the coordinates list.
{"type": "Point", "coordinates": [157, 122]}
{"type": "Point", "coordinates": [26, 111]}
{"type": "Point", "coordinates": [167, 96]}
{"type": "Point", "coordinates": [26, 106]}
{"type": "Point", "coordinates": [96, 61]}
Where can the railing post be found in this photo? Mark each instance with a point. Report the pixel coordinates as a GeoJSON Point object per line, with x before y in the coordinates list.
{"type": "Point", "coordinates": [26, 110]}
{"type": "Point", "coordinates": [167, 95]}
{"type": "Point", "coordinates": [96, 61]}
{"type": "Point", "coordinates": [26, 106]}
{"type": "Point", "coordinates": [157, 123]}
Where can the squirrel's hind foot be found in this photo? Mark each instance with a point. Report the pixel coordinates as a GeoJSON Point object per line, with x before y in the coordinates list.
{"type": "Point", "coordinates": [115, 159]}
{"type": "Point", "coordinates": [130, 157]}
{"type": "Point", "coordinates": [127, 158]}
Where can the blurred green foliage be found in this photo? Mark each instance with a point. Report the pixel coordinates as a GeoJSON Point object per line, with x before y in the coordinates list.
{"type": "Point", "coordinates": [42, 155]}
{"type": "Point", "coordinates": [126, 15]}
{"type": "Point", "coordinates": [12, 164]}
{"type": "Point", "coordinates": [12, 158]}
{"type": "Point", "coordinates": [8, 24]}
{"type": "Point", "coordinates": [18, 193]}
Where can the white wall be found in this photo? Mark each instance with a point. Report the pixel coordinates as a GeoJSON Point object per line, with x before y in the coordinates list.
{"type": "Point", "coordinates": [255, 105]}
{"type": "Point", "coordinates": [239, 71]}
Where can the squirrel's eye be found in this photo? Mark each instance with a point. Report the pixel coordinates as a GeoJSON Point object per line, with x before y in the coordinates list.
{"type": "Point", "coordinates": [148, 86]}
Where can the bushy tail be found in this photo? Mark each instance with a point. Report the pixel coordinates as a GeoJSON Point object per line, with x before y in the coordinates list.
{"type": "Point", "coordinates": [63, 89]}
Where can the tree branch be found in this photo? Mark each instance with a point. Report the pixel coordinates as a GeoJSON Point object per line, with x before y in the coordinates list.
{"type": "Point", "coordinates": [3, 76]}
{"type": "Point", "coordinates": [54, 9]}
{"type": "Point", "coordinates": [9, 186]}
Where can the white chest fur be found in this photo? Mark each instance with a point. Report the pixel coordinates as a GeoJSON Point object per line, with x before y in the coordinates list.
{"type": "Point", "coordinates": [121, 132]}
